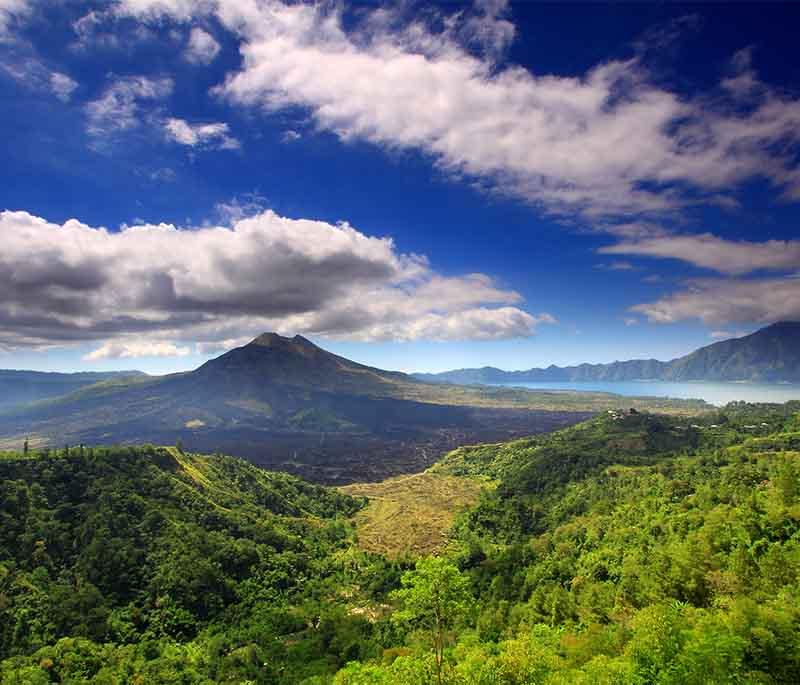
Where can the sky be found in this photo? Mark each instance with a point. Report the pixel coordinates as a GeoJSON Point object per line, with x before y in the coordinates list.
{"type": "Point", "coordinates": [418, 187]}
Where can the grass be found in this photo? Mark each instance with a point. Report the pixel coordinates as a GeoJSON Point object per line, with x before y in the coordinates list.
{"type": "Point", "coordinates": [410, 516]}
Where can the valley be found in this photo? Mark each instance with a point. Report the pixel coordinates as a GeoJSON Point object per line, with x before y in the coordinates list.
{"type": "Point", "coordinates": [627, 548]}
{"type": "Point", "coordinates": [285, 403]}
{"type": "Point", "coordinates": [399, 343]}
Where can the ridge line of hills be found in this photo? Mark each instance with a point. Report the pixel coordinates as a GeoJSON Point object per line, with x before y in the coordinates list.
{"type": "Point", "coordinates": [19, 386]}
{"type": "Point", "coordinates": [771, 354]}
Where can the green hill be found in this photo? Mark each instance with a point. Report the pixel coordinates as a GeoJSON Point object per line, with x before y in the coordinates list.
{"type": "Point", "coordinates": [633, 548]}
{"type": "Point", "coordinates": [150, 565]}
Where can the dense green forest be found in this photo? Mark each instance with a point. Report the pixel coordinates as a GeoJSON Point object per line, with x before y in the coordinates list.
{"type": "Point", "coordinates": [147, 565]}
{"type": "Point", "coordinates": [632, 548]}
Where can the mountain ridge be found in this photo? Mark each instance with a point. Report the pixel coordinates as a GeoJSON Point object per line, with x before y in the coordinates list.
{"type": "Point", "coordinates": [19, 386]}
{"type": "Point", "coordinates": [290, 405]}
{"type": "Point", "coordinates": [771, 354]}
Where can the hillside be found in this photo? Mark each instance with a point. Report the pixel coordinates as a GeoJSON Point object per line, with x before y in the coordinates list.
{"type": "Point", "coordinates": [23, 387]}
{"type": "Point", "coordinates": [630, 549]}
{"type": "Point", "coordinates": [409, 516]}
{"type": "Point", "coordinates": [127, 564]}
{"type": "Point", "coordinates": [288, 404]}
{"type": "Point", "coordinates": [771, 354]}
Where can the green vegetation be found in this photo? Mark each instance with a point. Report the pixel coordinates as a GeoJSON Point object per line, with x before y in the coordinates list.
{"type": "Point", "coordinates": [632, 549]}
{"type": "Point", "coordinates": [435, 596]}
{"type": "Point", "coordinates": [149, 565]}
{"type": "Point", "coordinates": [411, 515]}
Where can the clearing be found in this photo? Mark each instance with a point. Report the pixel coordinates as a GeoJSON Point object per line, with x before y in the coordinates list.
{"type": "Point", "coordinates": [411, 515]}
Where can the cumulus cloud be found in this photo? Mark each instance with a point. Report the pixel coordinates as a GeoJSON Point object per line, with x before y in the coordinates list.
{"type": "Point", "coordinates": [214, 135]}
{"type": "Point", "coordinates": [119, 107]}
{"type": "Point", "coordinates": [202, 47]}
{"type": "Point", "coordinates": [723, 301]}
{"type": "Point", "coordinates": [734, 257]}
{"type": "Point", "coordinates": [607, 143]}
{"type": "Point", "coordinates": [130, 349]}
{"type": "Point", "coordinates": [74, 282]}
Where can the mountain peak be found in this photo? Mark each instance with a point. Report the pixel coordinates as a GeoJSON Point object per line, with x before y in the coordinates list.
{"type": "Point", "coordinates": [269, 340]}
{"type": "Point", "coordinates": [279, 341]}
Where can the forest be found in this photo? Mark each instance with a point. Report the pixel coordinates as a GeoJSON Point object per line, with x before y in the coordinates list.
{"type": "Point", "coordinates": [630, 548]}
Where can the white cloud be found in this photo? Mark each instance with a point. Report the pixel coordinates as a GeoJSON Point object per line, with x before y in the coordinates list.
{"type": "Point", "coordinates": [726, 335]}
{"type": "Point", "coordinates": [609, 142]}
{"type": "Point", "coordinates": [32, 73]}
{"type": "Point", "coordinates": [214, 135]}
{"type": "Point", "coordinates": [724, 301]}
{"type": "Point", "coordinates": [12, 11]}
{"type": "Point", "coordinates": [131, 349]}
{"type": "Point", "coordinates": [119, 108]}
{"type": "Point", "coordinates": [202, 47]}
{"type": "Point", "coordinates": [290, 136]}
{"type": "Point", "coordinates": [62, 85]}
{"type": "Point", "coordinates": [711, 252]}
{"type": "Point", "coordinates": [90, 31]}
{"type": "Point", "coordinates": [73, 282]}
{"type": "Point", "coordinates": [218, 346]}
{"type": "Point", "coordinates": [182, 10]}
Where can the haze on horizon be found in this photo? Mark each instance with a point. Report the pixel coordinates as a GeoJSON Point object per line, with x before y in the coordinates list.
{"type": "Point", "coordinates": [414, 187]}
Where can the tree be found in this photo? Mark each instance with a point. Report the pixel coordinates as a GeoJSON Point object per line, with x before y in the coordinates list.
{"type": "Point", "coordinates": [435, 596]}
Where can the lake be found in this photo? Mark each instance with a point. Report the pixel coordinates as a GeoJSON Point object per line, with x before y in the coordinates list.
{"type": "Point", "coordinates": [717, 393]}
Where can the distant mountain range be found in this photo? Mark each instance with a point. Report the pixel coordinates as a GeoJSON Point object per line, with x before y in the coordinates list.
{"type": "Point", "coordinates": [21, 387]}
{"type": "Point", "coordinates": [771, 354]}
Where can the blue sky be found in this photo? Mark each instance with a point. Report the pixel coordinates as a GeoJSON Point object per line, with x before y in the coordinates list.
{"type": "Point", "coordinates": [415, 187]}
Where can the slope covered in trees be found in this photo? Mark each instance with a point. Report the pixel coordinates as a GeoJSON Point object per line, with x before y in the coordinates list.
{"type": "Point", "coordinates": [632, 548]}
{"type": "Point", "coordinates": [147, 565]}
{"type": "Point", "coordinates": [629, 549]}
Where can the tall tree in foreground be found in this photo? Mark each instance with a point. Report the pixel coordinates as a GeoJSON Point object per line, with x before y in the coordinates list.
{"type": "Point", "coordinates": [435, 596]}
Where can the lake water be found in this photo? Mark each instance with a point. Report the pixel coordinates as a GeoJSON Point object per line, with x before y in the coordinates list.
{"type": "Point", "coordinates": [714, 393]}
